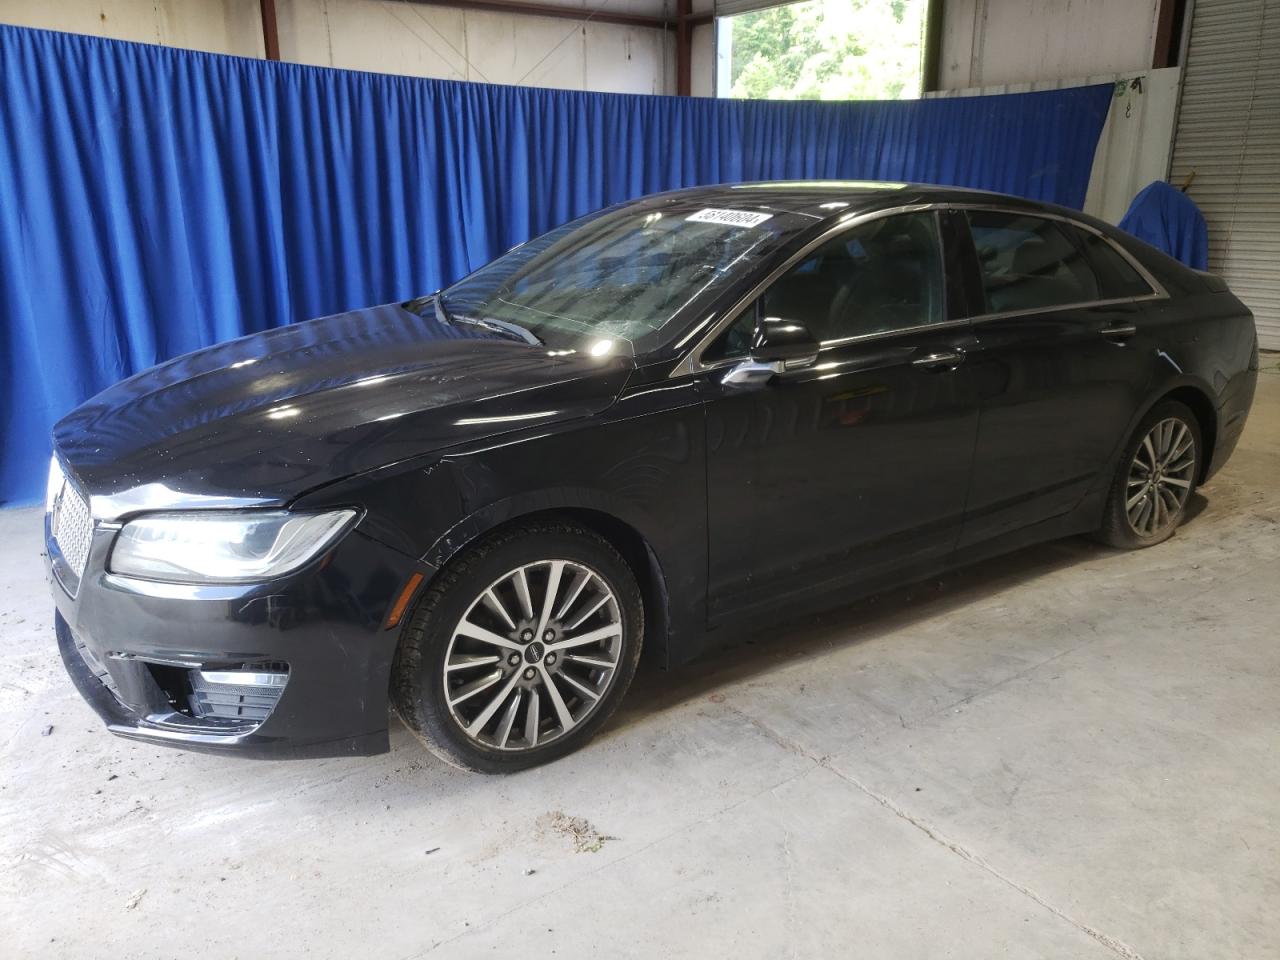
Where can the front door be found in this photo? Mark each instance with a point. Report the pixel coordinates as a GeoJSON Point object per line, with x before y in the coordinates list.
{"type": "Point", "coordinates": [856, 467]}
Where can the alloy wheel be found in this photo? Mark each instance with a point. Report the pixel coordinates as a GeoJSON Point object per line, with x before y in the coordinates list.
{"type": "Point", "coordinates": [534, 655]}
{"type": "Point", "coordinates": [1160, 477]}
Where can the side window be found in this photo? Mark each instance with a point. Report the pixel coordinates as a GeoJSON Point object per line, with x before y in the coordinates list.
{"type": "Point", "coordinates": [1117, 278]}
{"type": "Point", "coordinates": [735, 340]}
{"type": "Point", "coordinates": [881, 275]}
{"type": "Point", "coordinates": [1029, 263]}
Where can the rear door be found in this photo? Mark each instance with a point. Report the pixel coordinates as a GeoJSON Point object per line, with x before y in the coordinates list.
{"type": "Point", "coordinates": [1059, 361]}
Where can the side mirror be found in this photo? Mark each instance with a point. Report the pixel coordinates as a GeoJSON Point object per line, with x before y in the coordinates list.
{"type": "Point", "coordinates": [788, 341]}
{"type": "Point", "coordinates": [776, 346]}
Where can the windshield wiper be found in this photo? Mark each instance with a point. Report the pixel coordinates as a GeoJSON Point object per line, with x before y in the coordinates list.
{"type": "Point", "coordinates": [442, 312]}
{"type": "Point", "coordinates": [505, 327]}
{"type": "Point", "coordinates": [502, 327]}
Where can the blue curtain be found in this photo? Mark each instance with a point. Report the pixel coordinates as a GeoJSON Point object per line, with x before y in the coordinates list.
{"type": "Point", "coordinates": [1169, 220]}
{"type": "Point", "coordinates": [153, 201]}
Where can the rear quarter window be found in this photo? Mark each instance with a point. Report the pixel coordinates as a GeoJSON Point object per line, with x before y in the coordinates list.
{"type": "Point", "coordinates": [1117, 277]}
{"type": "Point", "coordinates": [1029, 263]}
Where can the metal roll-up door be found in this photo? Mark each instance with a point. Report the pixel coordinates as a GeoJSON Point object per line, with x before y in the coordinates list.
{"type": "Point", "coordinates": [1228, 133]}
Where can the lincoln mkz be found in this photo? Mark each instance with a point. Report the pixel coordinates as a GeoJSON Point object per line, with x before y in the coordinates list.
{"type": "Point", "coordinates": [655, 427]}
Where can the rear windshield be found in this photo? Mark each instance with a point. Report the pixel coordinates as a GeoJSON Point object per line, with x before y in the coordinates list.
{"type": "Point", "coordinates": [622, 274]}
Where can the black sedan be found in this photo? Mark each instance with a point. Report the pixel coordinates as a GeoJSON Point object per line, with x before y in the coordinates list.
{"type": "Point", "coordinates": [650, 428]}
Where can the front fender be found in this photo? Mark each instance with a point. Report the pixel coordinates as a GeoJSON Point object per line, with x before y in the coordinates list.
{"type": "Point", "coordinates": [644, 473]}
{"type": "Point", "coordinates": [497, 513]}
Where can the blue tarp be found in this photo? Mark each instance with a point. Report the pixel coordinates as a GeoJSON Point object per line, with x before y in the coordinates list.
{"type": "Point", "coordinates": [1169, 220]}
{"type": "Point", "coordinates": [153, 201]}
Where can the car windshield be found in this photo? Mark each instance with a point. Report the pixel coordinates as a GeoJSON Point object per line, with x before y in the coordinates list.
{"type": "Point", "coordinates": [622, 274]}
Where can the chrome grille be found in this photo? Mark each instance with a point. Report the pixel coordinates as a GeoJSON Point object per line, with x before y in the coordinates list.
{"type": "Point", "coordinates": [71, 527]}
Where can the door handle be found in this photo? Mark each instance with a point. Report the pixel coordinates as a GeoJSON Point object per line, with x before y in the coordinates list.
{"type": "Point", "coordinates": [1119, 331]}
{"type": "Point", "coordinates": [942, 360]}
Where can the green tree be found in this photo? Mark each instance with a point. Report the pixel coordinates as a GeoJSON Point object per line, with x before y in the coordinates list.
{"type": "Point", "coordinates": [828, 50]}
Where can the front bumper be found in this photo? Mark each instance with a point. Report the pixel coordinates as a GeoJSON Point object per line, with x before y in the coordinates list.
{"type": "Point", "coordinates": [138, 652]}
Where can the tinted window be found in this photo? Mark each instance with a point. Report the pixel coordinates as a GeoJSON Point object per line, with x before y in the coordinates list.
{"type": "Point", "coordinates": [1116, 276]}
{"type": "Point", "coordinates": [735, 341]}
{"type": "Point", "coordinates": [1029, 263]}
{"type": "Point", "coordinates": [624, 273]}
{"type": "Point", "coordinates": [881, 275]}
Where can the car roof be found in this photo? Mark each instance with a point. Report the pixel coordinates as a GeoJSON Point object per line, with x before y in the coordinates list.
{"type": "Point", "coordinates": [827, 198]}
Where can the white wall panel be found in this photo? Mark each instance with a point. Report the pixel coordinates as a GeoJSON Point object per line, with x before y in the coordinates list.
{"type": "Point", "coordinates": [628, 59]}
{"type": "Point", "coordinates": [368, 35]}
{"type": "Point", "coordinates": [702, 75]}
{"type": "Point", "coordinates": [393, 36]}
{"type": "Point", "coordinates": [478, 45]}
{"type": "Point", "coordinates": [987, 42]}
{"type": "Point", "coordinates": [1135, 144]}
{"type": "Point", "coordinates": [533, 51]}
{"type": "Point", "coordinates": [216, 26]}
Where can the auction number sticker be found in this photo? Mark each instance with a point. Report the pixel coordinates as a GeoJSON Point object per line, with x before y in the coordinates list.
{"type": "Point", "coordinates": [730, 218]}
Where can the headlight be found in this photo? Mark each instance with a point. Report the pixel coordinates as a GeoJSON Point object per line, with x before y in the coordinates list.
{"type": "Point", "coordinates": [223, 547]}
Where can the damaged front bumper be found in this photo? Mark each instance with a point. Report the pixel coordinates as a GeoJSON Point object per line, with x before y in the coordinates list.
{"type": "Point", "coordinates": [297, 667]}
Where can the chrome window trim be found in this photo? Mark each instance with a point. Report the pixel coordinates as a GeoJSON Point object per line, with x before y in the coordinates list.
{"type": "Point", "coordinates": [827, 345]}
{"type": "Point", "coordinates": [692, 361]}
{"type": "Point", "coordinates": [895, 332]}
{"type": "Point", "coordinates": [1081, 305]}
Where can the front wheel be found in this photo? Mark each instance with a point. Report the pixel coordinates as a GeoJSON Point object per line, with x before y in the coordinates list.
{"type": "Point", "coordinates": [1155, 479]}
{"type": "Point", "coordinates": [521, 649]}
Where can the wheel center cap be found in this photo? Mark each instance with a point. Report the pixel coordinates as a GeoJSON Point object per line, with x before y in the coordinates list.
{"type": "Point", "coordinates": [533, 652]}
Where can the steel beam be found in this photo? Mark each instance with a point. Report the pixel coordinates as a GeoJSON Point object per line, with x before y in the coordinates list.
{"type": "Point", "coordinates": [684, 48]}
{"type": "Point", "coordinates": [270, 29]}
{"type": "Point", "coordinates": [553, 10]}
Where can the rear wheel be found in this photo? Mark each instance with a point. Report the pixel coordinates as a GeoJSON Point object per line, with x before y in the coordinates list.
{"type": "Point", "coordinates": [521, 649]}
{"type": "Point", "coordinates": [1155, 479]}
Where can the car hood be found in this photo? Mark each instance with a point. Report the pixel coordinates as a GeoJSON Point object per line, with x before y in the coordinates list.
{"type": "Point", "coordinates": [262, 419]}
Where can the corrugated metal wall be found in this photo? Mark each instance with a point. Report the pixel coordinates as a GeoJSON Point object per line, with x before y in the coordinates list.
{"type": "Point", "coordinates": [1228, 134]}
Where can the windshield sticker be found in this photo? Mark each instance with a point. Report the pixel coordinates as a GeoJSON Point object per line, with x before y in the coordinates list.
{"type": "Point", "coordinates": [730, 218]}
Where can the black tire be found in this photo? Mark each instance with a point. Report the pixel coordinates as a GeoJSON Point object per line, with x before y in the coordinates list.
{"type": "Point", "coordinates": [1118, 530]}
{"type": "Point", "coordinates": [418, 684]}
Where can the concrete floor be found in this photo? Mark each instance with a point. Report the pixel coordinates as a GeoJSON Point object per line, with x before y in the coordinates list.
{"type": "Point", "coordinates": [1067, 752]}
